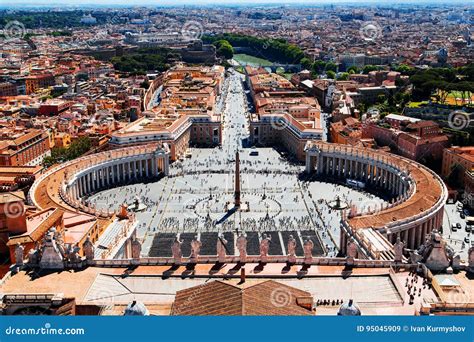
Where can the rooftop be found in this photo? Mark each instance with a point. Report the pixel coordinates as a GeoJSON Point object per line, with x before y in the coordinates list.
{"type": "Point", "coordinates": [220, 298]}
{"type": "Point", "coordinates": [14, 196]}
{"type": "Point", "coordinates": [375, 290]}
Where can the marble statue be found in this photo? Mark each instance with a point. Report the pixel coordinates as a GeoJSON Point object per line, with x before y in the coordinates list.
{"type": "Point", "coordinates": [456, 262]}
{"type": "Point", "coordinates": [19, 252]}
{"type": "Point", "coordinates": [73, 254]}
{"type": "Point", "coordinates": [221, 248]}
{"type": "Point", "coordinates": [58, 237]}
{"type": "Point", "coordinates": [242, 247]}
{"type": "Point", "coordinates": [33, 257]}
{"type": "Point", "coordinates": [437, 256]}
{"type": "Point", "coordinates": [398, 248]}
{"type": "Point", "coordinates": [415, 257]}
{"type": "Point", "coordinates": [291, 249]}
{"type": "Point", "coordinates": [471, 259]}
{"type": "Point", "coordinates": [308, 246]}
{"type": "Point", "coordinates": [136, 202]}
{"type": "Point", "coordinates": [88, 248]}
{"type": "Point", "coordinates": [264, 247]}
{"type": "Point", "coordinates": [136, 248]}
{"type": "Point", "coordinates": [51, 257]}
{"type": "Point", "coordinates": [351, 248]}
{"type": "Point", "coordinates": [195, 248]}
{"type": "Point", "coordinates": [176, 250]}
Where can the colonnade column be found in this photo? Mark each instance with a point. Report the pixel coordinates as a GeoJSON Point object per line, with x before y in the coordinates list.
{"type": "Point", "coordinates": [308, 162]}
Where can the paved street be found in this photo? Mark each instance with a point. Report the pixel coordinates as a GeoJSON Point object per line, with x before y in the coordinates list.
{"type": "Point", "coordinates": [456, 239]}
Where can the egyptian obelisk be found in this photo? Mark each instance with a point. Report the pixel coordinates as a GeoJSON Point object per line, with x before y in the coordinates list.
{"type": "Point", "coordinates": [237, 181]}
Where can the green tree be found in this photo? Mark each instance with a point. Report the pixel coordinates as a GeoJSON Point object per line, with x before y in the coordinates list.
{"type": "Point", "coordinates": [405, 69]}
{"type": "Point", "coordinates": [224, 49]}
{"type": "Point", "coordinates": [369, 68]}
{"type": "Point", "coordinates": [61, 154]}
{"type": "Point", "coordinates": [353, 69]}
{"type": "Point", "coordinates": [318, 67]}
{"type": "Point", "coordinates": [344, 76]}
{"type": "Point", "coordinates": [331, 74]}
{"type": "Point", "coordinates": [331, 66]}
{"type": "Point", "coordinates": [306, 63]}
{"type": "Point", "coordinates": [275, 50]}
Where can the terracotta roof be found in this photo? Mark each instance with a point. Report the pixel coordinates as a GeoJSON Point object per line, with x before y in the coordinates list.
{"type": "Point", "coordinates": [216, 298]}
{"type": "Point", "coordinates": [423, 123]}
{"type": "Point", "coordinates": [15, 170]}
{"type": "Point", "coordinates": [38, 227]}
{"type": "Point", "coordinates": [273, 298]}
{"type": "Point", "coordinates": [219, 298]}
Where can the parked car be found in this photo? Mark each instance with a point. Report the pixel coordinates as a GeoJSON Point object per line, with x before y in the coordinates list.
{"type": "Point", "coordinates": [454, 227]}
{"type": "Point", "coordinates": [466, 239]}
{"type": "Point", "coordinates": [462, 215]}
{"type": "Point", "coordinates": [458, 225]}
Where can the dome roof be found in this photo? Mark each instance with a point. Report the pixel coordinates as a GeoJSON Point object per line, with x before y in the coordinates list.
{"type": "Point", "coordinates": [136, 309]}
{"type": "Point", "coordinates": [349, 309]}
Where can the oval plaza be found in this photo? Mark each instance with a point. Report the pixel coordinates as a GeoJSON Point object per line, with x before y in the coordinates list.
{"type": "Point", "coordinates": [204, 187]}
{"type": "Point", "coordinates": [404, 199]}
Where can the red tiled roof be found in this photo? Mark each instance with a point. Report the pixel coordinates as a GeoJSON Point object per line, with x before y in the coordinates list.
{"type": "Point", "coordinates": [219, 298]}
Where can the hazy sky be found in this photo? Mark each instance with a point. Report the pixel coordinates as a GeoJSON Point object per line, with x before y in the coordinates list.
{"type": "Point", "coordinates": [217, 2]}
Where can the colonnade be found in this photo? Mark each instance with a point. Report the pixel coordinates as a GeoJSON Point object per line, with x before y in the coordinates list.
{"type": "Point", "coordinates": [345, 164]}
{"type": "Point", "coordinates": [109, 172]}
{"type": "Point", "coordinates": [414, 235]}
{"type": "Point", "coordinates": [383, 172]}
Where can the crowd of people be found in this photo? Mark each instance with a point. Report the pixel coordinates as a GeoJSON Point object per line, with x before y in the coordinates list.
{"type": "Point", "coordinates": [414, 288]}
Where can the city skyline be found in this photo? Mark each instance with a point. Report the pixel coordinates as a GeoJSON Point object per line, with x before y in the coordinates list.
{"type": "Point", "coordinates": [235, 158]}
{"type": "Point", "coordinates": [154, 3]}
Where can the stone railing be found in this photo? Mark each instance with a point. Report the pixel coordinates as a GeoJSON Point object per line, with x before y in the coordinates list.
{"type": "Point", "coordinates": [120, 238]}
{"type": "Point", "coordinates": [105, 213]}
{"type": "Point", "coordinates": [251, 259]}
